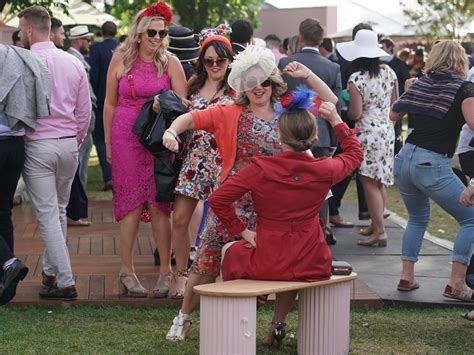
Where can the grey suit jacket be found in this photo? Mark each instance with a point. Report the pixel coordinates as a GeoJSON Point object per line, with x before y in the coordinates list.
{"type": "Point", "coordinates": [330, 74]}
{"type": "Point", "coordinates": [87, 67]}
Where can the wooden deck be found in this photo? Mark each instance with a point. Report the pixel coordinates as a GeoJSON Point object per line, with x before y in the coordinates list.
{"type": "Point", "coordinates": [95, 261]}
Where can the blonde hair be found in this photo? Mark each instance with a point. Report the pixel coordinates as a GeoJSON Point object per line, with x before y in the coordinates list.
{"type": "Point", "coordinates": [279, 87]}
{"type": "Point", "coordinates": [447, 55]}
{"type": "Point", "coordinates": [298, 129]}
{"type": "Point", "coordinates": [130, 47]}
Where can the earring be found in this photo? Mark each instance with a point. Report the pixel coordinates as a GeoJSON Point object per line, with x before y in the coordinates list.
{"type": "Point", "coordinates": [139, 40]}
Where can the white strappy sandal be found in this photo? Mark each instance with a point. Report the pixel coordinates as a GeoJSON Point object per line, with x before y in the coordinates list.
{"type": "Point", "coordinates": [180, 328]}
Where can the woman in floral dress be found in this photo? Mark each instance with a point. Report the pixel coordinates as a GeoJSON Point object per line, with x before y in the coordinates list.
{"type": "Point", "coordinates": [372, 89]}
{"type": "Point", "coordinates": [202, 165]}
{"type": "Point", "coordinates": [249, 129]}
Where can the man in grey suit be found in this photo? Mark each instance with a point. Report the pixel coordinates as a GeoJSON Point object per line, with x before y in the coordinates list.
{"type": "Point", "coordinates": [310, 37]}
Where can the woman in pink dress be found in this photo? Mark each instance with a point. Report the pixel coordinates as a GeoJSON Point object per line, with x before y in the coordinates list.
{"type": "Point", "coordinates": [141, 68]}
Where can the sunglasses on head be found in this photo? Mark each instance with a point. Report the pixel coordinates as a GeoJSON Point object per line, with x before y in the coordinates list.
{"type": "Point", "coordinates": [211, 62]}
{"type": "Point", "coordinates": [152, 33]}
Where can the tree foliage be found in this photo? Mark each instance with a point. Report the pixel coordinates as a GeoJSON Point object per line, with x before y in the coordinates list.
{"type": "Point", "coordinates": [199, 14]}
{"type": "Point", "coordinates": [196, 14]}
{"type": "Point", "coordinates": [15, 6]}
{"type": "Point", "coordinates": [441, 18]}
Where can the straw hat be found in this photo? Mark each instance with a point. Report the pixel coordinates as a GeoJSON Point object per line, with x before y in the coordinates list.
{"type": "Point", "coordinates": [364, 45]}
{"type": "Point", "coordinates": [79, 32]}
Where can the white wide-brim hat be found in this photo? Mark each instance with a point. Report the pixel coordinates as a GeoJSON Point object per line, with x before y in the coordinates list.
{"type": "Point", "coordinates": [80, 31]}
{"type": "Point", "coordinates": [364, 45]}
{"type": "Point", "coordinates": [251, 68]}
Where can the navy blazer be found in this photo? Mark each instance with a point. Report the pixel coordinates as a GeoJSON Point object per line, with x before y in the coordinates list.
{"type": "Point", "coordinates": [99, 60]}
{"type": "Point", "coordinates": [329, 73]}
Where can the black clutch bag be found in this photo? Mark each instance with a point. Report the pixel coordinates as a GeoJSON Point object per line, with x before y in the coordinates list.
{"type": "Point", "coordinates": [341, 268]}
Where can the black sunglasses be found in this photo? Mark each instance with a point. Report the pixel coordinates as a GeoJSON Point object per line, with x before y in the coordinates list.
{"type": "Point", "coordinates": [252, 82]}
{"type": "Point", "coordinates": [211, 62]}
{"type": "Point", "coordinates": [152, 33]}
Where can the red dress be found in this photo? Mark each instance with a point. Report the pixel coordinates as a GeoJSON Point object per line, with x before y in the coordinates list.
{"type": "Point", "coordinates": [288, 191]}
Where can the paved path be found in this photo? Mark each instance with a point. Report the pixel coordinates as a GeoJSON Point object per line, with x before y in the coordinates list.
{"type": "Point", "coordinates": [380, 268]}
{"type": "Point", "coordinates": [95, 262]}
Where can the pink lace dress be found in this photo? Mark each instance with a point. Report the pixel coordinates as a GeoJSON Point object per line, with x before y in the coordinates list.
{"type": "Point", "coordinates": [133, 180]}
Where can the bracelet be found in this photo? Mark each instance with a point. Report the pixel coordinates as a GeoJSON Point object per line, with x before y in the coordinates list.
{"type": "Point", "coordinates": [471, 182]}
{"type": "Point", "coordinates": [172, 132]}
{"type": "Point", "coordinates": [309, 74]}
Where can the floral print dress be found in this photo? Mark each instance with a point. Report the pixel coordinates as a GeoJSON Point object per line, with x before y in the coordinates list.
{"type": "Point", "coordinates": [255, 137]}
{"type": "Point", "coordinates": [377, 135]}
{"type": "Point", "coordinates": [202, 164]}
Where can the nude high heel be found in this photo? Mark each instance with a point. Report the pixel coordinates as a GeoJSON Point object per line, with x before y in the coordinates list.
{"type": "Point", "coordinates": [162, 287]}
{"type": "Point", "coordinates": [374, 240]}
{"type": "Point", "coordinates": [366, 231]}
{"type": "Point", "coordinates": [137, 290]}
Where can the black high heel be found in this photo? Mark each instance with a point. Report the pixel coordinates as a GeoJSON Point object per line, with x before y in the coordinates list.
{"type": "Point", "coordinates": [276, 334]}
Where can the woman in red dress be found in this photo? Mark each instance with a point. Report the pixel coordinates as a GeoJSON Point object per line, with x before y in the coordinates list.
{"type": "Point", "coordinates": [288, 190]}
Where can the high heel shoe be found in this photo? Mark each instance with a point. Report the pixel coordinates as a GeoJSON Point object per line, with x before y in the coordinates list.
{"type": "Point", "coordinates": [180, 328]}
{"type": "Point", "coordinates": [374, 240]}
{"type": "Point", "coordinates": [178, 284]}
{"type": "Point", "coordinates": [366, 231]}
{"type": "Point", "coordinates": [137, 290]}
{"type": "Point", "coordinates": [162, 286]}
{"type": "Point", "coordinates": [276, 333]}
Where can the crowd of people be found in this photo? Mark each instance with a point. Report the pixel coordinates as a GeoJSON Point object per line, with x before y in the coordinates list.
{"type": "Point", "coordinates": [272, 139]}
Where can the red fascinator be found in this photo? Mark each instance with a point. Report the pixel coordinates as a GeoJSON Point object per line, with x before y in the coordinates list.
{"type": "Point", "coordinates": [160, 9]}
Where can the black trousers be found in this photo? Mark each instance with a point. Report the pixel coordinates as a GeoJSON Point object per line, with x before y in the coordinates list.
{"type": "Point", "coordinates": [466, 160]}
{"type": "Point", "coordinates": [12, 158]}
{"type": "Point", "coordinates": [78, 201]}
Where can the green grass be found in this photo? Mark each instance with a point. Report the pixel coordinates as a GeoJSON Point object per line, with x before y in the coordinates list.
{"type": "Point", "coordinates": [118, 330]}
{"type": "Point", "coordinates": [94, 180]}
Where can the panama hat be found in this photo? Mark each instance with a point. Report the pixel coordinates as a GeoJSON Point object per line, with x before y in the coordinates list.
{"type": "Point", "coordinates": [364, 45]}
{"type": "Point", "coordinates": [79, 32]}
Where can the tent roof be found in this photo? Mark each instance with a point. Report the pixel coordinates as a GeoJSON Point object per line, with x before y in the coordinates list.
{"type": "Point", "coordinates": [80, 13]}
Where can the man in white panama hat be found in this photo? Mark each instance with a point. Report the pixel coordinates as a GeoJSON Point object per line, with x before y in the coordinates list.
{"type": "Point", "coordinates": [78, 203]}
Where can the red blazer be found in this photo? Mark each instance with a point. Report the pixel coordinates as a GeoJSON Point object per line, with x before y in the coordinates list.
{"type": "Point", "coordinates": [288, 191]}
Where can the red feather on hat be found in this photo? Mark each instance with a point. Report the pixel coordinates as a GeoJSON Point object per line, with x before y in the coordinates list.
{"type": "Point", "coordinates": [160, 9]}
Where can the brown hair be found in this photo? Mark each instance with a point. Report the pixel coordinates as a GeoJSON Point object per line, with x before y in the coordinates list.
{"type": "Point", "coordinates": [298, 129]}
{"type": "Point", "coordinates": [312, 32]}
{"type": "Point", "coordinates": [447, 55]}
{"type": "Point", "coordinates": [279, 87]}
{"type": "Point", "coordinates": [38, 17]}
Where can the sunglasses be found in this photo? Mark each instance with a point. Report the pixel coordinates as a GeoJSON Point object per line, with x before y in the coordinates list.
{"type": "Point", "coordinates": [152, 33]}
{"type": "Point", "coordinates": [220, 62]}
{"type": "Point", "coordinates": [252, 82]}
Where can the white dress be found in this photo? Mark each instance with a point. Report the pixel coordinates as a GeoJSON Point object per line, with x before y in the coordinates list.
{"type": "Point", "coordinates": [377, 134]}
